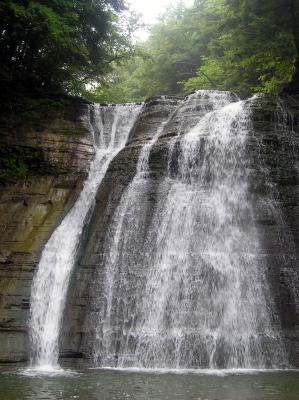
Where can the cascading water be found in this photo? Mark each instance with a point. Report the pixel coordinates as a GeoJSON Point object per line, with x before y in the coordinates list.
{"type": "Point", "coordinates": [110, 126]}
{"type": "Point", "coordinates": [129, 216]}
{"type": "Point", "coordinates": [188, 291]}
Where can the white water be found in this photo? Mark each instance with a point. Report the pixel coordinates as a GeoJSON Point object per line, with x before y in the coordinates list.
{"type": "Point", "coordinates": [198, 372]}
{"type": "Point", "coordinates": [128, 214]}
{"type": "Point", "coordinates": [110, 127]}
{"type": "Point", "coordinates": [188, 291]}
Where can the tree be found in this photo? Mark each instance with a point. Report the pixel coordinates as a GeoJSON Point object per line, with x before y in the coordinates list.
{"type": "Point", "coordinates": [253, 51]}
{"type": "Point", "coordinates": [246, 46]}
{"type": "Point", "coordinates": [171, 54]}
{"type": "Point", "coordinates": [59, 44]}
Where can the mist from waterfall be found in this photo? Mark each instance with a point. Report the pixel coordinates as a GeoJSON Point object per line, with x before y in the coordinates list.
{"type": "Point", "coordinates": [183, 286]}
{"type": "Point", "coordinates": [110, 127]}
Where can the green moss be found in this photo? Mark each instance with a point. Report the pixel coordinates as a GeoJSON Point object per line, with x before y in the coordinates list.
{"type": "Point", "coordinates": [37, 109]}
{"type": "Point", "coordinates": [72, 131]}
{"type": "Point", "coordinates": [25, 113]}
{"type": "Point", "coordinates": [65, 185]}
{"type": "Point", "coordinates": [16, 161]}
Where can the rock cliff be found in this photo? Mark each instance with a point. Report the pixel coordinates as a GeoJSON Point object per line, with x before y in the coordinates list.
{"type": "Point", "coordinates": [30, 208]}
{"type": "Point", "coordinates": [273, 160]}
{"type": "Point", "coordinates": [43, 169]}
{"type": "Point", "coordinates": [274, 154]}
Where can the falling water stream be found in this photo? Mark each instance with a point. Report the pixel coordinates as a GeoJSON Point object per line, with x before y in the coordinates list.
{"type": "Point", "coordinates": [110, 127]}
{"type": "Point", "coordinates": [187, 290]}
{"type": "Point", "coordinates": [181, 285]}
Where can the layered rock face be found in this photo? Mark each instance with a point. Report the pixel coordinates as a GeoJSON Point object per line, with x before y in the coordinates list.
{"type": "Point", "coordinates": [272, 149]}
{"type": "Point", "coordinates": [274, 154]}
{"type": "Point", "coordinates": [31, 208]}
{"type": "Point", "coordinates": [78, 328]}
{"type": "Point", "coordinates": [57, 155]}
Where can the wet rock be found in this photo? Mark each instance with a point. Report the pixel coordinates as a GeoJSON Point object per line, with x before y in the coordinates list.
{"type": "Point", "coordinates": [274, 154]}
{"type": "Point", "coordinates": [273, 149]}
{"type": "Point", "coordinates": [30, 209]}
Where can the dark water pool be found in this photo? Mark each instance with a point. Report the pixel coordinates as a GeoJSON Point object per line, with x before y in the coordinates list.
{"type": "Point", "coordinates": [92, 384]}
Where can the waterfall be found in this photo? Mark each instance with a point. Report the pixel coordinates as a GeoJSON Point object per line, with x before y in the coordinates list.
{"type": "Point", "coordinates": [185, 288]}
{"type": "Point", "coordinates": [129, 215]}
{"type": "Point", "coordinates": [110, 127]}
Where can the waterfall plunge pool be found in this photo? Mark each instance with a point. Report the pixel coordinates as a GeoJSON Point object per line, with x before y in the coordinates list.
{"type": "Point", "coordinates": [110, 384]}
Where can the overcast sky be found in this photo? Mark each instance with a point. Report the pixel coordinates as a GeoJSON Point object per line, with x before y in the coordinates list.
{"type": "Point", "coordinates": [150, 10]}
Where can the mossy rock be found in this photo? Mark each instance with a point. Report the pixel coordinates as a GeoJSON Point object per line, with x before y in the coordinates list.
{"type": "Point", "coordinates": [18, 161]}
{"type": "Point", "coordinates": [68, 184]}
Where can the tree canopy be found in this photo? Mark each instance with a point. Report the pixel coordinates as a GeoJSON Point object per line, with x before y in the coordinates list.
{"type": "Point", "coordinates": [246, 46]}
{"type": "Point", "coordinates": [60, 44]}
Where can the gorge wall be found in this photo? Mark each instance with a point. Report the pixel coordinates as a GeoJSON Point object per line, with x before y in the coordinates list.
{"type": "Point", "coordinates": [31, 208]}
{"type": "Point", "coordinates": [56, 155]}
{"type": "Point", "coordinates": [274, 151]}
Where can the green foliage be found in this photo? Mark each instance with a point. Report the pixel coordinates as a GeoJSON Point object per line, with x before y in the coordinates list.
{"type": "Point", "coordinates": [246, 46]}
{"type": "Point", "coordinates": [24, 113]}
{"type": "Point", "coordinates": [60, 45]}
{"type": "Point", "coordinates": [16, 161]}
{"type": "Point", "coordinates": [254, 50]}
{"type": "Point", "coordinates": [126, 83]}
{"type": "Point", "coordinates": [34, 110]}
